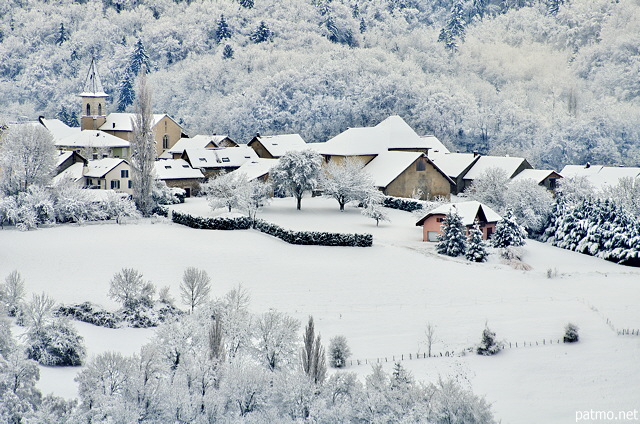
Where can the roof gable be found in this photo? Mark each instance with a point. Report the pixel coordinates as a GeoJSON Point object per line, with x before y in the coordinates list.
{"type": "Point", "coordinates": [454, 165]}
{"type": "Point", "coordinates": [101, 167]}
{"type": "Point", "coordinates": [278, 145]}
{"type": "Point", "coordinates": [509, 164]}
{"type": "Point", "coordinates": [468, 212]}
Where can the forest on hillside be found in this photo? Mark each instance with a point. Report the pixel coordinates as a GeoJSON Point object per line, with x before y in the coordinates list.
{"type": "Point", "coordinates": [556, 81]}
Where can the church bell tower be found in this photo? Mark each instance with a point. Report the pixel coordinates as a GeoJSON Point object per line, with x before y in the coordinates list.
{"type": "Point", "coordinates": [93, 99]}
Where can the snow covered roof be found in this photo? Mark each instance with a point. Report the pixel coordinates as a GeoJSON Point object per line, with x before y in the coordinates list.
{"type": "Point", "coordinates": [176, 169]}
{"type": "Point", "coordinates": [387, 166]}
{"type": "Point", "coordinates": [434, 144]}
{"type": "Point", "coordinates": [197, 142]}
{"type": "Point", "coordinates": [73, 173]}
{"type": "Point", "coordinates": [62, 156]}
{"type": "Point", "coordinates": [468, 211]}
{"type": "Point", "coordinates": [58, 129]}
{"type": "Point", "coordinates": [538, 175]}
{"type": "Point", "coordinates": [257, 168]}
{"type": "Point", "coordinates": [599, 175]}
{"type": "Point", "coordinates": [99, 168]}
{"type": "Point", "coordinates": [92, 84]}
{"type": "Point", "coordinates": [391, 134]}
{"type": "Point", "coordinates": [220, 158]}
{"type": "Point", "coordinates": [278, 145]}
{"type": "Point", "coordinates": [123, 121]}
{"type": "Point", "coordinates": [509, 164]}
{"type": "Point", "coordinates": [453, 164]}
{"type": "Point", "coordinates": [91, 138]}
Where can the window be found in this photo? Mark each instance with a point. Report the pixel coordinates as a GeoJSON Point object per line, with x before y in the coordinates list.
{"type": "Point", "coordinates": [115, 184]}
{"type": "Point", "coordinates": [89, 182]}
{"type": "Point", "coordinates": [439, 219]}
{"type": "Point", "coordinates": [421, 165]}
{"type": "Point", "coordinates": [130, 185]}
{"type": "Point", "coordinates": [225, 159]}
{"type": "Point", "coordinates": [88, 109]}
{"type": "Point", "coordinates": [94, 156]}
{"type": "Point", "coordinates": [165, 141]}
{"type": "Point", "coordinates": [99, 109]}
{"type": "Point", "coordinates": [552, 183]}
{"type": "Point", "coordinates": [124, 173]}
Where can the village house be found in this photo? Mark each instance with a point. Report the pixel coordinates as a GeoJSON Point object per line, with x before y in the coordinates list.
{"type": "Point", "coordinates": [212, 162]}
{"type": "Point", "coordinates": [108, 174]}
{"type": "Point", "coordinates": [408, 174]}
{"type": "Point", "coordinates": [178, 173]}
{"type": "Point", "coordinates": [469, 213]}
{"type": "Point", "coordinates": [275, 146]}
{"type": "Point", "coordinates": [600, 176]}
{"type": "Point", "coordinates": [543, 177]}
{"type": "Point", "coordinates": [198, 142]}
{"type": "Point", "coordinates": [512, 166]}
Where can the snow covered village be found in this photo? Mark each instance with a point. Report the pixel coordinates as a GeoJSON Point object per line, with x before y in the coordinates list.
{"type": "Point", "coordinates": [319, 211]}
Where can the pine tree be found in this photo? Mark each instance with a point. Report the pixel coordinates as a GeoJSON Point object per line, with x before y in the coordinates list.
{"type": "Point", "coordinates": [63, 35]}
{"type": "Point", "coordinates": [248, 4]}
{"type": "Point", "coordinates": [127, 93]}
{"type": "Point", "coordinates": [227, 53]}
{"type": "Point", "coordinates": [509, 232]}
{"type": "Point", "coordinates": [313, 357]}
{"type": "Point", "coordinates": [452, 241]}
{"type": "Point", "coordinates": [363, 26]}
{"type": "Point", "coordinates": [476, 249]}
{"type": "Point", "coordinates": [222, 30]}
{"type": "Point", "coordinates": [138, 58]}
{"type": "Point", "coordinates": [454, 29]}
{"type": "Point", "coordinates": [261, 34]}
{"type": "Point", "coordinates": [488, 345]}
{"type": "Point", "coordinates": [479, 8]}
{"type": "Point", "coordinates": [553, 7]}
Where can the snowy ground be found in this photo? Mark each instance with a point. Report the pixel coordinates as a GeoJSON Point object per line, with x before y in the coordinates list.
{"type": "Point", "coordinates": [380, 298]}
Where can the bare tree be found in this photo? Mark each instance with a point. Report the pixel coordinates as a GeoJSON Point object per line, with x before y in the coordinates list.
{"type": "Point", "coordinates": [195, 287]}
{"type": "Point", "coordinates": [216, 342]}
{"type": "Point", "coordinates": [430, 337]}
{"type": "Point", "coordinates": [313, 357]}
{"type": "Point", "coordinates": [39, 310]}
{"type": "Point", "coordinates": [129, 288]}
{"type": "Point", "coordinates": [27, 156]}
{"type": "Point", "coordinates": [143, 150]}
{"type": "Point", "coordinates": [14, 292]}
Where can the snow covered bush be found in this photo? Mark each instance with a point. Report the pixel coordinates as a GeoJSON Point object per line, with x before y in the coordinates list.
{"type": "Point", "coordinates": [217, 223]}
{"type": "Point", "coordinates": [453, 240]}
{"type": "Point", "coordinates": [373, 207]}
{"type": "Point", "coordinates": [571, 333]}
{"type": "Point", "coordinates": [407, 205]}
{"type": "Point", "coordinates": [164, 195]}
{"type": "Point", "coordinates": [476, 247]}
{"type": "Point", "coordinates": [314, 237]}
{"type": "Point", "coordinates": [339, 352]}
{"type": "Point", "coordinates": [115, 206]}
{"type": "Point", "coordinates": [255, 195]}
{"type": "Point", "coordinates": [531, 204]}
{"type": "Point", "coordinates": [488, 345]}
{"type": "Point", "coordinates": [508, 232]}
{"type": "Point", "coordinates": [91, 314]}
{"type": "Point", "coordinates": [56, 343]}
{"type": "Point", "coordinates": [225, 190]}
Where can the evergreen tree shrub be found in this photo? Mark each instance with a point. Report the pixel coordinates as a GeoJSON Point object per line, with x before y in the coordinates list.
{"type": "Point", "coordinates": [488, 345]}
{"type": "Point", "coordinates": [339, 352]}
{"type": "Point", "coordinates": [452, 241]}
{"type": "Point", "coordinates": [571, 333]}
{"type": "Point", "coordinates": [476, 247]}
{"type": "Point", "coordinates": [508, 232]}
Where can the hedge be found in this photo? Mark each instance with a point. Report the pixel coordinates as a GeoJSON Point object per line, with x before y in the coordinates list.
{"type": "Point", "coordinates": [314, 237]}
{"type": "Point", "coordinates": [293, 237]}
{"type": "Point", "coordinates": [407, 205]}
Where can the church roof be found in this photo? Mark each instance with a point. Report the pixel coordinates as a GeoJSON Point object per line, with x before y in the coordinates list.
{"type": "Point", "coordinates": [92, 84]}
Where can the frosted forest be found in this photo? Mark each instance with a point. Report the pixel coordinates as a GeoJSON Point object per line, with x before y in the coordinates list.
{"type": "Point", "coordinates": [554, 81]}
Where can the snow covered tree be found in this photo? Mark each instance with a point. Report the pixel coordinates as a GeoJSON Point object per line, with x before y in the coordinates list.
{"type": "Point", "coordinates": [476, 249]}
{"type": "Point", "coordinates": [488, 345]}
{"type": "Point", "coordinates": [222, 30]}
{"type": "Point", "coordinates": [19, 395]}
{"type": "Point", "coordinates": [195, 287]}
{"type": "Point", "coordinates": [127, 94]}
{"type": "Point", "coordinates": [261, 34]}
{"type": "Point", "coordinates": [69, 118]}
{"type": "Point", "coordinates": [129, 288]}
{"type": "Point", "coordinates": [275, 335]}
{"type": "Point", "coordinates": [531, 204]}
{"type": "Point", "coordinates": [312, 354]}
{"type": "Point", "coordinates": [227, 52]}
{"type": "Point", "coordinates": [226, 190]}
{"type": "Point", "coordinates": [373, 207]}
{"type": "Point", "coordinates": [255, 195]}
{"type": "Point", "coordinates": [143, 149]}
{"type": "Point", "coordinates": [139, 60]}
{"type": "Point", "coordinates": [455, 27]}
{"type": "Point", "coordinates": [490, 188]}
{"type": "Point", "coordinates": [248, 4]}
{"type": "Point", "coordinates": [56, 343]}
{"type": "Point", "coordinates": [347, 182]}
{"type": "Point", "coordinates": [27, 157]}
{"type": "Point", "coordinates": [363, 26]}
{"type": "Point", "coordinates": [63, 35]}
{"type": "Point", "coordinates": [297, 172]}
{"type": "Point", "coordinates": [13, 292]}
{"type": "Point", "coordinates": [339, 352]}
{"type": "Point", "coordinates": [453, 240]}
{"type": "Point", "coordinates": [571, 333]}
{"type": "Point", "coordinates": [508, 232]}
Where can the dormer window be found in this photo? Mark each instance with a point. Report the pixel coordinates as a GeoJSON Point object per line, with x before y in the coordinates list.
{"type": "Point", "coordinates": [167, 167]}
{"type": "Point", "coordinates": [203, 160]}
{"type": "Point", "coordinates": [225, 160]}
{"type": "Point", "coordinates": [185, 166]}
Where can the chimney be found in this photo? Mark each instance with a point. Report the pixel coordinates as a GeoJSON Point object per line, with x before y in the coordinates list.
{"type": "Point", "coordinates": [587, 166]}
{"type": "Point", "coordinates": [113, 125]}
{"type": "Point", "coordinates": [257, 134]}
{"type": "Point", "coordinates": [475, 153]}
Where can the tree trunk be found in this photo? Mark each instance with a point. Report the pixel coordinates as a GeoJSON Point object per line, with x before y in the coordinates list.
{"type": "Point", "coordinates": [299, 201]}
{"type": "Point", "coordinates": [341, 206]}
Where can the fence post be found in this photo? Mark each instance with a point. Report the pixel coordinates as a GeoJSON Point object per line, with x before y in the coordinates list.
{"type": "Point", "coordinates": [402, 357]}
{"type": "Point", "coordinates": [409, 356]}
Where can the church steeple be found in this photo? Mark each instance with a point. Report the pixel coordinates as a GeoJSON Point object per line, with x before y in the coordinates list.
{"type": "Point", "coordinates": [93, 99]}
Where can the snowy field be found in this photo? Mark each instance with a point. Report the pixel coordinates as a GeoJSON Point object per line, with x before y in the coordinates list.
{"type": "Point", "coordinates": [380, 298]}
